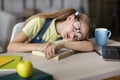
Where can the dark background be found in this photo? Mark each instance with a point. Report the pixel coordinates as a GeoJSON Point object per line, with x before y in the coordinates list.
{"type": "Point", "coordinates": [106, 13]}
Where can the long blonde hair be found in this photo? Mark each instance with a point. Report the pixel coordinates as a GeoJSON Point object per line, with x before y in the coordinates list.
{"type": "Point", "coordinates": [62, 15]}
{"type": "Point", "coordinates": [84, 18]}
{"type": "Point", "coordinates": [59, 15]}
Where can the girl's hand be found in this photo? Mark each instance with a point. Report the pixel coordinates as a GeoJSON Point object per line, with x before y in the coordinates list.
{"type": "Point", "coordinates": [51, 50]}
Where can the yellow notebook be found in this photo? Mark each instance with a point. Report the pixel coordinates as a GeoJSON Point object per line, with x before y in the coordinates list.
{"type": "Point", "coordinates": [5, 60]}
{"type": "Point", "coordinates": [11, 64]}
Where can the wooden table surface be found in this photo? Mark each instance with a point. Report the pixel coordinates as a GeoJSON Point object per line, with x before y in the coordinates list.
{"type": "Point", "coordinates": [80, 66]}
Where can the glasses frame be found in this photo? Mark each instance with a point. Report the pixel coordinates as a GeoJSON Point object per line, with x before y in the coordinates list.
{"type": "Point", "coordinates": [76, 29]}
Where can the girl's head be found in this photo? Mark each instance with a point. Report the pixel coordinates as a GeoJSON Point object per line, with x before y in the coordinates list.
{"type": "Point", "coordinates": [76, 27]}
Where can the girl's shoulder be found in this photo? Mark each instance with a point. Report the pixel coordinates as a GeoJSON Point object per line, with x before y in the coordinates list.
{"type": "Point", "coordinates": [39, 19]}
{"type": "Point", "coordinates": [35, 19]}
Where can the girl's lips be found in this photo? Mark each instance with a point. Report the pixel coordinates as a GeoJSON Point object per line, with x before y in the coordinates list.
{"type": "Point", "coordinates": [66, 36]}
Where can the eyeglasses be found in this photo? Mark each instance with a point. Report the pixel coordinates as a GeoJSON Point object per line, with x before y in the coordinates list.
{"type": "Point", "coordinates": [77, 32]}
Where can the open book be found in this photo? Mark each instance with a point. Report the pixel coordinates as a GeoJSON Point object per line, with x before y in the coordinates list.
{"type": "Point", "coordinates": [60, 55]}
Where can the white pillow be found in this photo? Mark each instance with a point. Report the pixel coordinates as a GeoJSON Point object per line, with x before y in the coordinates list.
{"type": "Point", "coordinates": [16, 29]}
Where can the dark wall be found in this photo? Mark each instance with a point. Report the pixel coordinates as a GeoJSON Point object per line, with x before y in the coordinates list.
{"type": "Point", "coordinates": [106, 13]}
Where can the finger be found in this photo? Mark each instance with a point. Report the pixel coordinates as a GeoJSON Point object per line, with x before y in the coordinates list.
{"type": "Point", "coordinates": [53, 51]}
{"type": "Point", "coordinates": [50, 43]}
{"type": "Point", "coordinates": [47, 56]}
{"type": "Point", "coordinates": [49, 53]}
{"type": "Point", "coordinates": [52, 54]}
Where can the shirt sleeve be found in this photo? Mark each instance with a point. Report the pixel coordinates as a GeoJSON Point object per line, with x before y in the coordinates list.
{"type": "Point", "coordinates": [32, 27]}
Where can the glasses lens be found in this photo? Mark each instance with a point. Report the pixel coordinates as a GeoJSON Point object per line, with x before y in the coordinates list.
{"type": "Point", "coordinates": [77, 36]}
{"type": "Point", "coordinates": [77, 33]}
{"type": "Point", "coordinates": [76, 24]}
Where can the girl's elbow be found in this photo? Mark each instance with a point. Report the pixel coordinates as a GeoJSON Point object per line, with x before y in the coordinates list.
{"type": "Point", "coordinates": [9, 49]}
{"type": "Point", "coordinates": [91, 46]}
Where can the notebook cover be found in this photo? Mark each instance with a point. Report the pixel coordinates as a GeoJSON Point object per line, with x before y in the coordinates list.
{"type": "Point", "coordinates": [37, 75]}
{"type": "Point", "coordinates": [12, 64]}
{"type": "Point", "coordinates": [5, 60]}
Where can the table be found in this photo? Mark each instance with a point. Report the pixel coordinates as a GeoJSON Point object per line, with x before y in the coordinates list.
{"type": "Point", "coordinates": [80, 66]}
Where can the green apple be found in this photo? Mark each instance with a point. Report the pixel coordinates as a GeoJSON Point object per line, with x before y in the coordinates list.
{"type": "Point", "coordinates": [24, 69]}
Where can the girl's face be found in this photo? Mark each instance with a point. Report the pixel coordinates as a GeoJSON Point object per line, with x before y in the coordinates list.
{"type": "Point", "coordinates": [75, 30]}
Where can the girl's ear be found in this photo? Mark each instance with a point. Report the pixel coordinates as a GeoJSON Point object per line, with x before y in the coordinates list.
{"type": "Point", "coordinates": [71, 17]}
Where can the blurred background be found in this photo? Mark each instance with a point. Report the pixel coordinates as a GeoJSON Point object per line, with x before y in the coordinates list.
{"type": "Point", "coordinates": [103, 13]}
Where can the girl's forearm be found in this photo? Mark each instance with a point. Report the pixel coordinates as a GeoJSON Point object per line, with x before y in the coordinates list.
{"type": "Point", "coordinates": [79, 45]}
{"type": "Point", "coordinates": [23, 47]}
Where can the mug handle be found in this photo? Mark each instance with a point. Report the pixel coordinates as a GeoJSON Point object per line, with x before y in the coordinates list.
{"type": "Point", "coordinates": [109, 34]}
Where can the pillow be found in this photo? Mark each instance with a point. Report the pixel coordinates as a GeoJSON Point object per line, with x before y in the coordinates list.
{"type": "Point", "coordinates": [16, 29]}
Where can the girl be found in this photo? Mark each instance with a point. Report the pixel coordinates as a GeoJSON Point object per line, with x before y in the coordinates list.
{"type": "Point", "coordinates": [67, 24]}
